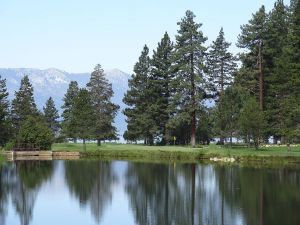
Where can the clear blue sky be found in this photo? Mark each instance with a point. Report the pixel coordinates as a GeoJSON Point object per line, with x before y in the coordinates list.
{"type": "Point", "coordinates": [74, 35]}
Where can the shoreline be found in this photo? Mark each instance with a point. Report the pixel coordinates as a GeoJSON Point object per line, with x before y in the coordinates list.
{"type": "Point", "coordinates": [159, 154]}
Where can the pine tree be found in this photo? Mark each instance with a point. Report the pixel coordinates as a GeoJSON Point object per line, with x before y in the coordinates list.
{"type": "Point", "coordinates": [276, 80]}
{"type": "Point", "coordinates": [188, 59]}
{"type": "Point", "coordinates": [289, 68]}
{"type": "Point", "coordinates": [227, 112]}
{"type": "Point", "coordinates": [51, 116]}
{"type": "Point", "coordinates": [34, 130]}
{"type": "Point", "coordinates": [4, 113]}
{"type": "Point", "coordinates": [69, 98]}
{"type": "Point", "coordinates": [82, 117]}
{"type": "Point", "coordinates": [159, 86]}
{"type": "Point", "coordinates": [251, 121]}
{"type": "Point", "coordinates": [204, 133]}
{"type": "Point", "coordinates": [221, 66]}
{"type": "Point", "coordinates": [101, 92]}
{"type": "Point", "coordinates": [252, 38]}
{"type": "Point", "coordinates": [23, 105]}
{"type": "Point", "coordinates": [140, 124]}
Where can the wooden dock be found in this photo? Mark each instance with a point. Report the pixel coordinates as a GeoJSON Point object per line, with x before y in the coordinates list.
{"type": "Point", "coordinates": [40, 155]}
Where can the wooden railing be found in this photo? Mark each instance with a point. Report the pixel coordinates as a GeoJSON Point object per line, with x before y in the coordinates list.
{"type": "Point", "coordinates": [26, 147]}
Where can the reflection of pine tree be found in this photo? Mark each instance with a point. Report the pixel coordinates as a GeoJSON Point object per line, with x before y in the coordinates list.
{"type": "Point", "coordinates": [4, 188]}
{"type": "Point", "coordinates": [149, 190]}
{"type": "Point", "coordinates": [28, 176]}
{"type": "Point", "coordinates": [91, 183]}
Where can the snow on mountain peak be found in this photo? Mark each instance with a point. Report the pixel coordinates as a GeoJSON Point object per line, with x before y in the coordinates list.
{"type": "Point", "coordinates": [54, 82]}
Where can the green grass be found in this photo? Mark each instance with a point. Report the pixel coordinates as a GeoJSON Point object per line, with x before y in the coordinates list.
{"type": "Point", "coordinates": [140, 152]}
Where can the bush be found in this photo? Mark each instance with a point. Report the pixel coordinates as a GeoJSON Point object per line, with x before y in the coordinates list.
{"type": "Point", "coordinates": [34, 130]}
{"type": "Point", "coordinates": [9, 146]}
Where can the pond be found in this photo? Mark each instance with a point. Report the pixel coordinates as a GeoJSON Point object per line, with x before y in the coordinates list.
{"type": "Point", "coordinates": [128, 193]}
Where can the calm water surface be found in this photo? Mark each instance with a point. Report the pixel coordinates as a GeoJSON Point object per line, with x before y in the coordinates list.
{"type": "Point", "coordinates": [107, 193]}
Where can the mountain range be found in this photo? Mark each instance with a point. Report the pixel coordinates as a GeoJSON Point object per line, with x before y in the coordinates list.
{"type": "Point", "coordinates": [54, 82]}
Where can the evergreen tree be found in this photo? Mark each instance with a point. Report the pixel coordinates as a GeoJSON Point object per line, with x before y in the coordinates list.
{"type": "Point", "coordinates": [23, 105]}
{"type": "Point", "coordinates": [289, 65]}
{"type": "Point", "coordinates": [140, 124]}
{"type": "Point", "coordinates": [252, 38]}
{"type": "Point", "coordinates": [221, 67]}
{"type": "Point", "coordinates": [221, 64]}
{"type": "Point", "coordinates": [68, 99]}
{"type": "Point", "coordinates": [188, 59]}
{"type": "Point", "coordinates": [82, 117]}
{"type": "Point", "coordinates": [227, 112]}
{"type": "Point", "coordinates": [276, 80]}
{"type": "Point", "coordinates": [251, 121]}
{"type": "Point", "coordinates": [51, 116]}
{"type": "Point", "coordinates": [204, 133]}
{"type": "Point", "coordinates": [4, 113]}
{"type": "Point", "coordinates": [159, 86]}
{"type": "Point", "coordinates": [101, 92]}
{"type": "Point", "coordinates": [34, 130]}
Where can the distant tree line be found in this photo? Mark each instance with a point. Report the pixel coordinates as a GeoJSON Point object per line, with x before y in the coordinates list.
{"type": "Point", "coordinates": [255, 95]}
{"type": "Point", "coordinates": [88, 113]}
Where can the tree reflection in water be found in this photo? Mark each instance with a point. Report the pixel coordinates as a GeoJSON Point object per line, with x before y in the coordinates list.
{"type": "Point", "coordinates": [169, 194]}
{"type": "Point", "coordinates": [4, 191]}
{"type": "Point", "coordinates": [210, 194]}
{"type": "Point", "coordinates": [22, 181]}
{"type": "Point", "coordinates": [91, 183]}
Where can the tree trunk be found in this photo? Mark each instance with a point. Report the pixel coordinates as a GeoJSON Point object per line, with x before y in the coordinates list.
{"type": "Point", "coordinates": [221, 94]}
{"type": "Point", "coordinates": [98, 142]}
{"type": "Point", "coordinates": [289, 147]}
{"type": "Point", "coordinates": [84, 145]}
{"type": "Point", "coordinates": [193, 128]}
{"type": "Point", "coordinates": [261, 77]}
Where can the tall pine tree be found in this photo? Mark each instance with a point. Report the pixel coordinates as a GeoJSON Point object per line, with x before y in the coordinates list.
{"type": "Point", "coordinates": [221, 66]}
{"type": "Point", "coordinates": [189, 56]}
{"type": "Point", "coordinates": [252, 38]}
{"type": "Point", "coordinates": [290, 67]}
{"type": "Point", "coordinates": [51, 116]}
{"type": "Point", "coordinates": [23, 104]}
{"type": "Point", "coordinates": [101, 92]}
{"type": "Point", "coordinates": [159, 86]}
{"type": "Point", "coordinates": [68, 99]}
{"type": "Point", "coordinates": [140, 124]}
{"type": "Point", "coordinates": [276, 80]}
{"type": "Point", "coordinates": [4, 113]}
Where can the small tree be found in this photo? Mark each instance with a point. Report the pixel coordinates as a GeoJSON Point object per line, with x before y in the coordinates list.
{"type": "Point", "coordinates": [69, 99]}
{"type": "Point", "coordinates": [82, 116]}
{"type": "Point", "coordinates": [34, 130]}
{"type": "Point", "coordinates": [51, 115]}
{"type": "Point", "coordinates": [23, 105]}
{"type": "Point", "coordinates": [4, 113]}
{"type": "Point", "coordinates": [290, 127]}
{"type": "Point", "coordinates": [204, 129]}
{"type": "Point", "coordinates": [251, 121]}
{"type": "Point", "coordinates": [226, 113]}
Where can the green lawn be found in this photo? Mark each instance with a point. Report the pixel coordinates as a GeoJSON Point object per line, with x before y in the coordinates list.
{"type": "Point", "coordinates": [181, 153]}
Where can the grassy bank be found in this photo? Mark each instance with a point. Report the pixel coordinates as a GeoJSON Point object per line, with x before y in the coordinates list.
{"type": "Point", "coordinates": [149, 153]}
